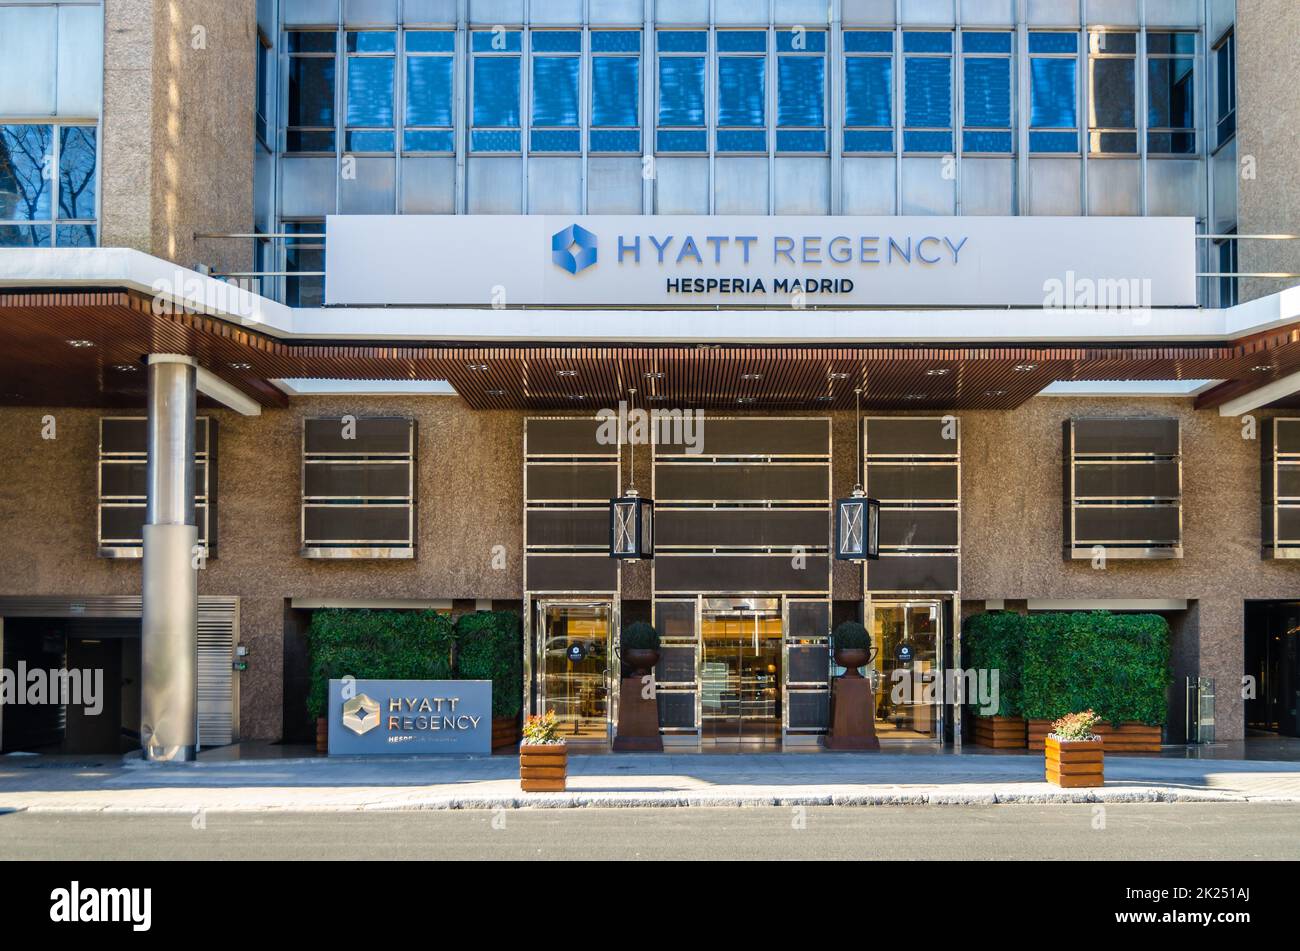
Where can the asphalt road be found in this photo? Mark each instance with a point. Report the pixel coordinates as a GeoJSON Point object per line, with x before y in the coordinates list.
{"type": "Point", "coordinates": [1116, 831]}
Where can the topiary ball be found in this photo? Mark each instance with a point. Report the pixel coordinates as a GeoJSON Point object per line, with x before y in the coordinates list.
{"type": "Point", "coordinates": [850, 635]}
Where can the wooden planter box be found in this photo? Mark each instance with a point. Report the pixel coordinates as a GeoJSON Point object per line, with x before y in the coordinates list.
{"type": "Point", "coordinates": [1000, 733]}
{"type": "Point", "coordinates": [543, 768]}
{"type": "Point", "coordinates": [505, 735]}
{"type": "Point", "coordinates": [1126, 738]}
{"type": "Point", "coordinates": [322, 735]}
{"type": "Point", "coordinates": [1075, 765]}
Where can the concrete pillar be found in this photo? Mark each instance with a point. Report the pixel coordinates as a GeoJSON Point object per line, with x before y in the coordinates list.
{"type": "Point", "coordinates": [169, 702]}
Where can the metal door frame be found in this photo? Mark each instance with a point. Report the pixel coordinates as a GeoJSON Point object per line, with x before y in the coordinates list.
{"type": "Point", "coordinates": [537, 614]}
{"type": "Point", "coordinates": [755, 604]}
{"type": "Point", "coordinates": [941, 658]}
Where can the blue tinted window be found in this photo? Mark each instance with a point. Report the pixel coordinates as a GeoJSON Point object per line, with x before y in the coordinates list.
{"type": "Point", "coordinates": [801, 91]}
{"type": "Point", "coordinates": [370, 91]}
{"type": "Point", "coordinates": [869, 91]}
{"type": "Point", "coordinates": [311, 41]}
{"type": "Point", "coordinates": [1053, 93]}
{"type": "Point", "coordinates": [800, 41]}
{"type": "Point", "coordinates": [987, 91]}
{"type": "Point", "coordinates": [742, 91]}
{"type": "Point", "coordinates": [980, 140]}
{"type": "Point", "coordinates": [615, 140]}
{"type": "Point", "coordinates": [801, 140]}
{"type": "Point", "coordinates": [555, 91]}
{"type": "Point", "coordinates": [428, 90]}
{"type": "Point", "coordinates": [858, 141]}
{"type": "Point", "coordinates": [616, 41]}
{"type": "Point", "coordinates": [497, 41]}
{"type": "Point", "coordinates": [76, 173]}
{"type": "Point", "coordinates": [1171, 93]}
{"type": "Point", "coordinates": [372, 41]}
{"type": "Point", "coordinates": [986, 42]}
{"type": "Point", "coordinates": [930, 41]}
{"type": "Point", "coordinates": [24, 185]}
{"type": "Point", "coordinates": [678, 140]}
{"type": "Point", "coordinates": [430, 41]}
{"type": "Point", "coordinates": [553, 41]}
{"type": "Point", "coordinates": [927, 141]}
{"type": "Point", "coordinates": [429, 140]}
{"type": "Point", "coordinates": [481, 140]}
{"type": "Point", "coordinates": [616, 91]}
{"type": "Point", "coordinates": [371, 141]}
{"type": "Point", "coordinates": [683, 41]}
{"type": "Point", "coordinates": [741, 140]}
{"type": "Point", "coordinates": [928, 92]}
{"type": "Point", "coordinates": [742, 41]}
{"type": "Point", "coordinates": [872, 41]}
{"type": "Point", "coordinates": [555, 140]}
{"type": "Point", "coordinates": [25, 236]}
{"type": "Point", "coordinates": [1053, 42]}
{"type": "Point", "coordinates": [681, 91]}
{"type": "Point", "coordinates": [496, 91]}
{"type": "Point", "coordinates": [1053, 141]}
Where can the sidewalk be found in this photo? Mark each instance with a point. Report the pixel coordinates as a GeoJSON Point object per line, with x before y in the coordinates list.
{"type": "Point", "coordinates": [621, 780]}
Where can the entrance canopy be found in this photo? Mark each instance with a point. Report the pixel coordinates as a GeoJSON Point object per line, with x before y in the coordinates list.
{"type": "Point", "coordinates": [76, 324]}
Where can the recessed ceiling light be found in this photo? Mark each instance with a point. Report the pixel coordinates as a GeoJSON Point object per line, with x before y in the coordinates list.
{"type": "Point", "coordinates": [824, 399]}
{"type": "Point", "coordinates": [495, 392]}
{"type": "Point", "coordinates": [241, 366]}
{"type": "Point", "coordinates": [1025, 367]}
{"type": "Point", "coordinates": [751, 376]}
{"type": "Point", "coordinates": [654, 375]}
{"type": "Point", "coordinates": [477, 367]}
{"type": "Point", "coordinates": [995, 392]}
{"type": "Point", "coordinates": [938, 371]}
{"type": "Point", "coordinates": [916, 396]}
{"type": "Point", "coordinates": [746, 399]}
{"type": "Point", "coordinates": [656, 397]}
{"type": "Point", "coordinates": [838, 376]}
{"type": "Point", "coordinates": [125, 367]}
{"type": "Point", "coordinates": [566, 373]}
{"type": "Point", "coordinates": [1262, 368]}
{"type": "Point", "coordinates": [578, 396]}
{"type": "Point", "coordinates": [81, 344]}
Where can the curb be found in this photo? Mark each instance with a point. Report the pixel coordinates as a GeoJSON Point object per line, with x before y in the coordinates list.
{"type": "Point", "coordinates": [672, 801]}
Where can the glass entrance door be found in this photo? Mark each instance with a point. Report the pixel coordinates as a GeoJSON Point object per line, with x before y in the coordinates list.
{"type": "Point", "coordinates": [740, 672]}
{"type": "Point", "coordinates": [907, 669]}
{"type": "Point", "coordinates": [574, 667]}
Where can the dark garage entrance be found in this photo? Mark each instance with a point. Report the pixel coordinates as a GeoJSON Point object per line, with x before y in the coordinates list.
{"type": "Point", "coordinates": [1273, 660]}
{"type": "Point", "coordinates": [110, 645]}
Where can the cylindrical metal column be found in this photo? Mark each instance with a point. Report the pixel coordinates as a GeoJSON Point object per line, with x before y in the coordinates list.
{"type": "Point", "coordinates": [169, 701]}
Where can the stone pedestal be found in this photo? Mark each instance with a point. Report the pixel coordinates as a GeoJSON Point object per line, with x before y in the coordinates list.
{"type": "Point", "coordinates": [853, 722]}
{"type": "Point", "coordinates": [638, 719]}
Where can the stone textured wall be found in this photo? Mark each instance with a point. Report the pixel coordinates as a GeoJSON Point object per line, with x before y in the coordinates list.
{"type": "Point", "coordinates": [1268, 75]}
{"type": "Point", "coordinates": [179, 93]}
{"type": "Point", "coordinates": [471, 473]}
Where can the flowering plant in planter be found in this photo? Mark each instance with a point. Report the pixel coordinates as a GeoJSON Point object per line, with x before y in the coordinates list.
{"type": "Point", "coordinates": [1074, 755]}
{"type": "Point", "coordinates": [1076, 727]}
{"type": "Point", "coordinates": [543, 730]}
{"type": "Point", "coordinates": [543, 755]}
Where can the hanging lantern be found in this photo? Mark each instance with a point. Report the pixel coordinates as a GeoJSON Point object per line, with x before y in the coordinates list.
{"type": "Point", "coordinates": [857, 518]}
{"type": "Point", "coordinates": [857, 528]}
{"type": "Point", "coordinates": [631, 526]}
{"type": "Point", "coordinates": [632, 518]}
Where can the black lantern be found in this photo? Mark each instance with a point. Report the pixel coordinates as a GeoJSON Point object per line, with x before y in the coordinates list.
{"type": "Point", "coordinates": [857, 528]}
{"type": "Point", "coordinates": [631, 526]}
{"type": "Point", "coordinates": [857, 518]}
{"type": "Point", "coordinates": [632, 518]}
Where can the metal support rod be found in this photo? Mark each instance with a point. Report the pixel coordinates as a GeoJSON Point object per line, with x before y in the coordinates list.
{"type": "Point", "coordinates": [169, 626]}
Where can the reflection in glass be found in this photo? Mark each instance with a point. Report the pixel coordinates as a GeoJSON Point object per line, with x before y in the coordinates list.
{"type": "Point", "coordinates": [25, 186]}
{"type": "Point", "coordinates": [905, 669]}
{"type": "Point", "coordinates": [740, 679]}
{"type": "Point", "coordinates": [575, 668]}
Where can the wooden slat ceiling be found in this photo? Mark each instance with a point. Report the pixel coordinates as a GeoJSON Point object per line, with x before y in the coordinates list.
{"type": "Point", "coordinates": [87, 349]}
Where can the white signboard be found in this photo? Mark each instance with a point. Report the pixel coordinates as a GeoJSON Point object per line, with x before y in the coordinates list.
{"type": "Point", "coordinates": [776, 261]}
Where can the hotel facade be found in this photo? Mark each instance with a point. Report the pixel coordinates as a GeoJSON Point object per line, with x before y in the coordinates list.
{"type": "Point", "coordinates": [329, 303]}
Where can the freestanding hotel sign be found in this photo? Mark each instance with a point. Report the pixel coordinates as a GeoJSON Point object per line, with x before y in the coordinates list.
{"type": "Point", "coordinates": [773, 261]}
{"type": "Point", "coordinates": [410, 717]}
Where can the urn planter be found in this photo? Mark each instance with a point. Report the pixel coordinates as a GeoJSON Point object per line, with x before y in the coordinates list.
{"type": "Point", "coordinates": [543, 767]}
{"type": "Point", "coordinates": [1074, 764]}
{"type": "Point", "coordinates": [853, 708]}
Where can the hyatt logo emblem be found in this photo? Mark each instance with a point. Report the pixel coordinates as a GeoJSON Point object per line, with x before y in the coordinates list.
{"type": "Point", "coordinates": [573, 249]}
{"type": "Point", "coordinates": [361, 714]}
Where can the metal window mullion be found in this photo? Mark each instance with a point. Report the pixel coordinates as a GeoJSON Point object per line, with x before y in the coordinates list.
{"type": "Point", "coordinates": [1142, 92]}
{"type": "Point", "coordinates": [586, 99]}
{"type": "Point", "coordinates": [836, 103]}
{"type": "Point", "coordinates": [526, 103]}
{"type": "Point", "coordinates": [769, 120]}
{"type": "Point", "coordinates": [899, 66]}
{"type": "Point", "coordinates": [957, 81]}
{"type": "Point", "coordinates": [1082, 103]}
{"type": "Point", "coordinates": [711, 93]}
{"type": "Point", "coordinates": [648, 124]}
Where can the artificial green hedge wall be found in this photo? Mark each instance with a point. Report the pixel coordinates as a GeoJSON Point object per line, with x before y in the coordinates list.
{"type": "Point", "coordinates": [1115, 664]}
{"type": "Point", "coordinates": [416, 645]}
{"type": "Point", "coordinates": [996, 641]}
